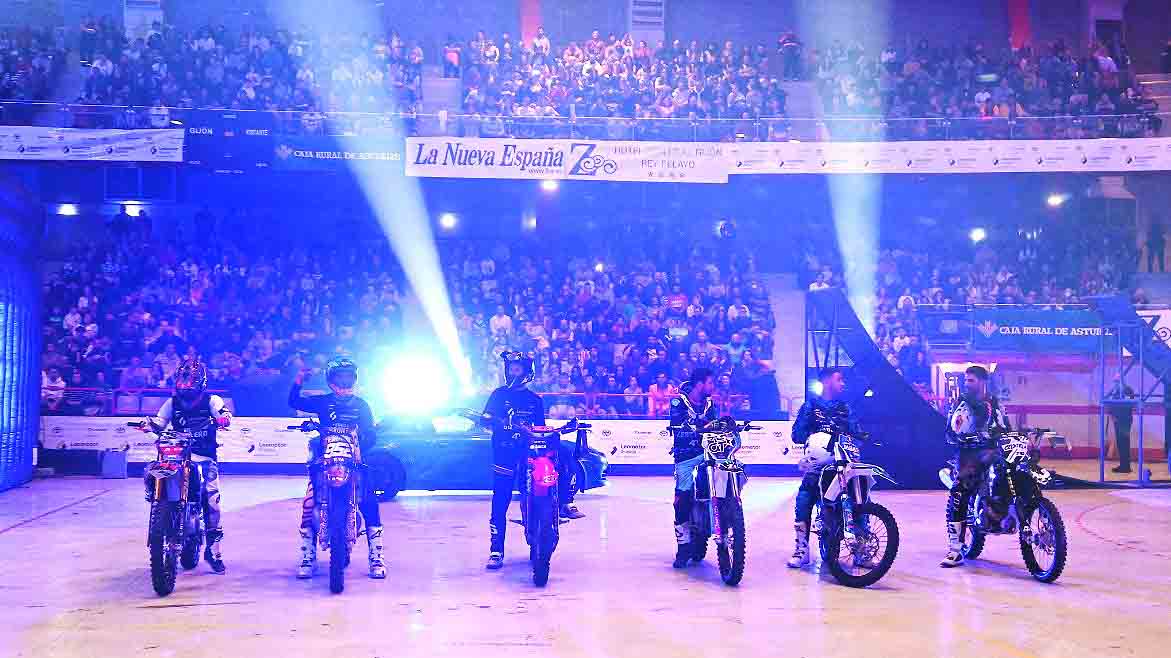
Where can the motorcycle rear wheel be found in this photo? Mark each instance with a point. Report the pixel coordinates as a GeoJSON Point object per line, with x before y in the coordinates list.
{"type": "Point", "coordinates": [890, 551]}
{"type": "Point", "coordinates": [164, 568]}
{"type": "Point", "coordinates": [731, 550]}
{"type": "Point", "coordinates": [543, 516]}
{"type": "Point", "coordinates": [1050, 521]}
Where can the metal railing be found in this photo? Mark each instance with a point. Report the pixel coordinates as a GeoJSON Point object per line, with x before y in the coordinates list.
{"type": "Point", "coordinates": [765, 129]}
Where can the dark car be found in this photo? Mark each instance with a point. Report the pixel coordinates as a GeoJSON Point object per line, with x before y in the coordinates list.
{"type": "Point", "coordinates": [428, 461]}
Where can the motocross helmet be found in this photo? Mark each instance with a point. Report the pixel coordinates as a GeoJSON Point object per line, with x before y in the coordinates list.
{"type": "Point", "coordinates": [817, 453]}
{"type": "Point", "coordinates": [526, 363]}
{"type": "Point", "coordinates": [341, 374]}
{"type": "Point", "coordinates": [190, 380]}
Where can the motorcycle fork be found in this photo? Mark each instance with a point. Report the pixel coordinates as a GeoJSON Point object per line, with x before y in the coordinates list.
{"type": "Point", "coordinates": [714, 502]}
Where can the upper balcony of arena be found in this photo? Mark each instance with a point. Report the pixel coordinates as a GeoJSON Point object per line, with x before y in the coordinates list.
{"type": "Point", "coordinates": [698, 71]}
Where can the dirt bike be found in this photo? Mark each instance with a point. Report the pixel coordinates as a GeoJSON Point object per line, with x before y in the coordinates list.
{"type": "Point", "coordinates": [539, 493]}
{"type": "Point", "coordinates": [174, 490]}
{"type": "Point", "coordinates": [1009, 500]}
{"type": "Point", "coordinates": [718, 509]}
{"type": "Point", "coordinates": [858, 538]}
{"type": "Point", "coordinates": [335, 470]}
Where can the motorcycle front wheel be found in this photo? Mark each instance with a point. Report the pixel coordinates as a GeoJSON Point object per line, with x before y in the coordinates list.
{"type": "Point", "coordinates": [543, 517]}
{"type": "Point", "coordinates": [731, 549]}
{"type": "Point", "coordinates": [1044, 547]}
{"type": "Point", "coordinates": [864, 557]}
{"type": "Point", "coordinates": [339, 543]}
{"type": "Point", "coordinates": [163, 566]}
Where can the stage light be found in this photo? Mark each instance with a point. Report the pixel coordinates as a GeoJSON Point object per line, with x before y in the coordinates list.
{"type": "Point", "coordinates": [977, 235]}
{"type": "Point", "coordinates": [529, 223]}
{"type": "Point", "coordinates": [67, 210]}
{"type": "Point", "coordinates": [414, 384]}
{"type": "Point", "coordinates": [815, 387]}
{"type": "Point", "coordinates": [447, 221]}
{"type": "Point", "coordinates": [549, 186]}
{"type": "Point", "coordinates": [1056, 200]}
{"type": "Point", "coordinates": [599, 267]}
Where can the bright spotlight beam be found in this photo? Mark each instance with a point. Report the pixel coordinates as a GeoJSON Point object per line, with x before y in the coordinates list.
{"type": "Point", "coordinates": [398, 205]}
{"type": "Point", "coordinates": [395, 199]}
{"type": "Point", "coordinates": [856, 206]}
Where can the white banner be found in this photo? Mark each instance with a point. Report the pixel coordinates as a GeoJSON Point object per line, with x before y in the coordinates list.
{"type": "Point", "coordinates": [649, 442]}
{"type": "Point", "coordinates": [250, 440]}
{"type": "Point", "coordinates": [959, 157]}
{"type": "Point", "coordinates": [566, 159]}
{"type": "Point", "coordinates": [77, 144]}
{"type": "Point", "coordinates": [267, 441]}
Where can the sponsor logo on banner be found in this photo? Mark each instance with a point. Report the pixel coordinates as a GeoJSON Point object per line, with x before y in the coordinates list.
{"type": "Point", "coordinates": [649, 442]}
{"type": "Point", "coordinates": [82, 145]}
{"type": "Point", "coordinates": [452, 157]}
{"type": "Point", "coordinates": [300, 152]}
{"type": "Point", "coordinates": [942, 157]}
{"type": "Point", "coordinates": [256, 440]}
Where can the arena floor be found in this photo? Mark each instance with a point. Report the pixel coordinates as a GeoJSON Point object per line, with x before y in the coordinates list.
{"type": "Point", "coordinates": [75, 584]}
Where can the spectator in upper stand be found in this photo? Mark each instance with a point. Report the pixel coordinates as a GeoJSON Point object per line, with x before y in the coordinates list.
{"type": "Point", "coordinates": [635, 400]}
{"type": "Point", "coordinates": [52, 391]}
{"type": "Point", "coordinates": [135, 375]}
{"type": "Point", "coordinates": [661, 394]}
{"type": "Point", "coordinates": [452, 57]}
{"type": "Point", "coordinates": [166, 364]}
{"type": "Point", "coordinates": [501, 323]}
{"type": "Point", "coordinates": [701, 346]}
{"type": "Point", "coordinates": [167, 336]}
{"type": "Point", "coordinates": [790, 50]}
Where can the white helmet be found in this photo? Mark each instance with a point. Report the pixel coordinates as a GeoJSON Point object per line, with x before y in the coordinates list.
{"type": "Point", "coordinates": [817, 452]}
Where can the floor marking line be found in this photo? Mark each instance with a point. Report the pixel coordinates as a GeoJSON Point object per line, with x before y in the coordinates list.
{"type": "Point", "coordinates": [1080, 521]}
{"type": "Point", "coordinates": [54, 511]}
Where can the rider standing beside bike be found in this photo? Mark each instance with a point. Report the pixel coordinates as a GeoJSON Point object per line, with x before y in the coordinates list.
{"type": "Point", "coordinates": [824, 414]}
{"type": "Point", "coordinates": [193, 411]}
{"type": "Point", "coordinates": [974, 423]}
{"type": "Point", "coordinates": [510, 407]}
{"type": "Point", "coordinates": [339, 412]}
{"type": "Point", "coordinates": [690, 411]}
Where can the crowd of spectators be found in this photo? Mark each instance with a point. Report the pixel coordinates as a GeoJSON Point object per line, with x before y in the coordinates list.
{"type": "Point", "coordinates": [615, 77]}
{"type": "Point", "coordinates": [30, 60]}
{"type": "Point", "coordinates": [613, 335]}
{"type": "Point", "coordinates": [914, 90]}
{"type": "Point", "coordinates": [255, 69]}
{"type": "Point", "coordinates": [938, 266]}
{"type": "Point", "coordinates": [976, 92]}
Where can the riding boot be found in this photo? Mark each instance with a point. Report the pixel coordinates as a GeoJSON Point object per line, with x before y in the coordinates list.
{"type": "Point", "coordinates": [374, 539]}
{"type": "Point", "coordinates": [683, 543]}
{"type": "Point", "coordinates": [308, 554]}
{"type": "Point", "coordinates": [801, 549]}
{"type": "Point", "coordinates": [955, 546]}
{"type": "Point", "coordinates": [212, 553]}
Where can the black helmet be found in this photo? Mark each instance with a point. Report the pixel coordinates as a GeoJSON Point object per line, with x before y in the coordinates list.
{"type": "Point", "coordinates": [525, 361]}
{"type": "Point", "coordinates": [190, 379]}
{"type": "Point", "coordinates": [341, 374]}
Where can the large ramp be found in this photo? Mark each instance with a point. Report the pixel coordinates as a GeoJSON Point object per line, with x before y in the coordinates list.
{"type": "Point", "coordinates": [909, 429]}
